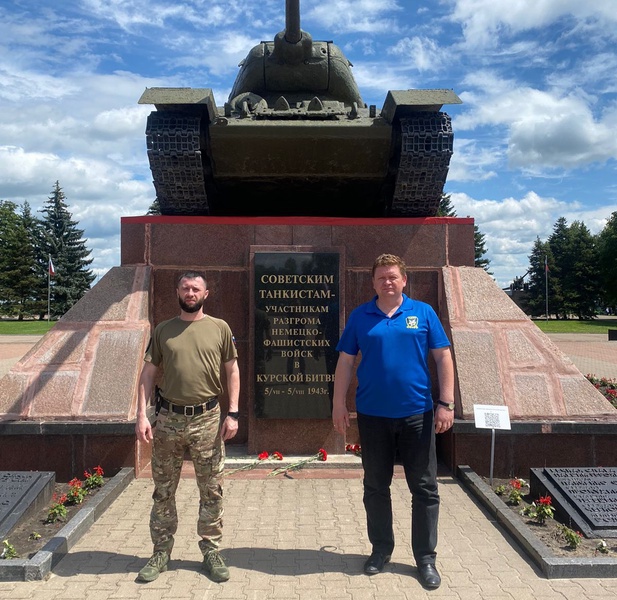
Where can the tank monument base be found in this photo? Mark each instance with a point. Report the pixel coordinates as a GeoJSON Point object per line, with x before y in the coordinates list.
{"type": "Point", "coordinates": [286, 286]}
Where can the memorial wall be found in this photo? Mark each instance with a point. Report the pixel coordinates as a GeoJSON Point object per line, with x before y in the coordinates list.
{"type": "Point", "coordinates": [286, 286]}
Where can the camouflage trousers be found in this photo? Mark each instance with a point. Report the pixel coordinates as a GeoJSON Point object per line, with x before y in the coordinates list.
{"type": "Point", "coordinates": [200, 435]}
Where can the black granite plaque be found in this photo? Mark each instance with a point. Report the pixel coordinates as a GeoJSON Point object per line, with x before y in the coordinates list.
{"type": "Point", "coordinates": [585, 495]}
{"type": "Point", "coordinates": [22, 492]}
{"type": "Point", "coordinates": [296, 332]}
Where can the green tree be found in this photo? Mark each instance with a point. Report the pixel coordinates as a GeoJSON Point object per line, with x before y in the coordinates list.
{"type": "Point", "coordinates": [559, 244]}
{"type": "Point", "coordinates": [445, 207]}
{"type": "Point", "coordinates": [34, 228]}
{"type": "Point", "coordinates": [573, 284]}
{"type": "Point", "coordinates": [9, 222]}
{"type": "Point", "coordinates": [580, 283]}
{"type": "Point", "coordinates": [480, 250]}
{"type": "Point", "coordinates": [155, 208]}
{"type": "Point", "coordinates": [447, 210]}
{"type": "Point", "coordinates": [607, 262]}
{"type": "Point", "coordinates": [20, 287]}
{"type": "Point", "coordinates": [64, 243]}
{"type": "Point", "coordinates": [540, 258]}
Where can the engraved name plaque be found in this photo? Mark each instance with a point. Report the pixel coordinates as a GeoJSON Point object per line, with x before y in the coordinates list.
{"type": "Point", "coordinates": [20, 493]}
{"type": "Point", "coordinates": [586, 495]}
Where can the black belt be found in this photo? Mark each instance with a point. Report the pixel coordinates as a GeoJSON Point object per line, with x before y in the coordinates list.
{"type": "Point", "coordinates": [189, 411]}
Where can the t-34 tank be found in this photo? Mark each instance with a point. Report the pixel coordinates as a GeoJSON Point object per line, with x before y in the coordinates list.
{"type": "Point", "coordinates": [296, 138]}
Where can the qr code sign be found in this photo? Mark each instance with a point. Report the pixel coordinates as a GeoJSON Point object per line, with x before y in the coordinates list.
{"type": "Point", "coordinates": [489, 416]}
{"type": "Point", "coordinates": [492, 420]}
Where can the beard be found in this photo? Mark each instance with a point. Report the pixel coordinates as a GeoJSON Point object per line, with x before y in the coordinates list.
{"type": "Point", "coordinates": [188, 308]}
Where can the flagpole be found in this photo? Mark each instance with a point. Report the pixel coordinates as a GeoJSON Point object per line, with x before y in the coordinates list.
{"type": "Point", "coordinates": [546, 283]}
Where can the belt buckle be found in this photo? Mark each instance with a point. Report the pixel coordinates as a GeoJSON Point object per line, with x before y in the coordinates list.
{"type": "Point", "coordinates": [191, 413]}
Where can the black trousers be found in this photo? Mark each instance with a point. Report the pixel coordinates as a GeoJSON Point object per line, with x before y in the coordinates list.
{"type": "Point", "coordinates": [412, 440]}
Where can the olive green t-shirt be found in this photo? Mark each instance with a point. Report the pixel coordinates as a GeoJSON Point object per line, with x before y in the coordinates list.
{"type": "Point", "coordinates": [191, 353]}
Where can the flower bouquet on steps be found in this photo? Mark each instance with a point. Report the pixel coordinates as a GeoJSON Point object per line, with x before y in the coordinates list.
{"type": "Point", "coordinates": [321, 455]}
{"type": "Point", "coordinates": [262, 457]}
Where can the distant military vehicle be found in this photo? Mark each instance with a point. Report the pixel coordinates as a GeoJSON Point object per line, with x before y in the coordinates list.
{"type": "Point", "coordinates": [296, 138]}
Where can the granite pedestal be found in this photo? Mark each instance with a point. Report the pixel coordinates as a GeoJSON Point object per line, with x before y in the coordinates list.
{"type": "Point", "coordinates": [69, 404]}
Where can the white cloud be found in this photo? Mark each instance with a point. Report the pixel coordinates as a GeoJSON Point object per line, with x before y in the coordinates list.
{"type": "Point", "coordinates": [483, 21]}
{"type": "Point", "coordinates": [218, 54]}
{"type": "Point", "coordinates": [423, 54]}
{"type": "Point", "coordinates": [16, 85]}
{"type": "Point", "coordinates": [25, 174]}
{"type": "Point", "coordinates": [474, 161]}
{"type": "Point", "coordinates": [356, 16]}
{"type": "Point", "coordinates": [545, 130]}
{"type": "Point", "coordinates": [512, 225]}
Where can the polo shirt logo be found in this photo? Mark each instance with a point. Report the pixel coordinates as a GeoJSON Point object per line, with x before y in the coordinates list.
{"type": "Point", "coordinates": [412, 322]}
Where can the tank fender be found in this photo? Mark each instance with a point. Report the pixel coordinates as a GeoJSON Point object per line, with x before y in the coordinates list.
{"type": "Point", "coordinates": [181, 98]}
{"type": "Point", "coordinates": [403, 103]}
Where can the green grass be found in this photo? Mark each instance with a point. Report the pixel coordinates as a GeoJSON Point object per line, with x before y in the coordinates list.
{"type": "Point", "coordinates": [576, 326]}
{"type": "Point", "coordinates": [25, 327]}
{"type": "Point", "coordinates": [551, 326]}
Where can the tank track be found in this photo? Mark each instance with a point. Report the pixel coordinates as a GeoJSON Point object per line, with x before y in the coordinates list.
{"type": "Point", "coordinates": [174, 141]}
{"type": "Point", "coordinates": [426, 148]}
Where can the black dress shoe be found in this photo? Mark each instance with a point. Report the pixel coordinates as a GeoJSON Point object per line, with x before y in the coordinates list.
{"type": "Point", "coordinates": [429, 577]}
{"type": "Point", "coordinates": [375, 563]}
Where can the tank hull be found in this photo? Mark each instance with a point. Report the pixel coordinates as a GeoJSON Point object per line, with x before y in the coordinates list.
{"type": "Point", "coordinates": [205, 163]}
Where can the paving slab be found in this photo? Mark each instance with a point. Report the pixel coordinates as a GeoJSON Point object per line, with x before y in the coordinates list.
{"type": "Point", "coordinates": [304, 537]}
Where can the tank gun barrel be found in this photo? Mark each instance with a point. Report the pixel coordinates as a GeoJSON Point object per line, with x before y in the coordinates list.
{"type": "Point", "coordinates": [293, 34]}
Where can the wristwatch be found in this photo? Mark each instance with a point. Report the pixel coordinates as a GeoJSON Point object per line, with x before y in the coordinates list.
{"type": "Point", "coordinates": [234, 414]}
{"type": "Point", "coordinates": [448, 405]}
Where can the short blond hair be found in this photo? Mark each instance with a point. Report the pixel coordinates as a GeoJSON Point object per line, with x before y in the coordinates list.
{"type": "Point", "coordinates": [390, 260]}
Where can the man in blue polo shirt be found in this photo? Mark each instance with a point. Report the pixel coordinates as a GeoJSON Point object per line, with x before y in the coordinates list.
{"type": "Point", "coordinates": [395, 336]}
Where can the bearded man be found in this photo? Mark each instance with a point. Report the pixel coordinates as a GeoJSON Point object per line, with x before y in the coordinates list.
{"type": "Point", "coordinates": [190, 348]}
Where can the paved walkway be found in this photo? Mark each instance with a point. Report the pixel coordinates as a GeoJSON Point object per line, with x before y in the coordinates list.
{"type": "Point", "coordinates": [304, 538]}
{"type": "Point", "coordinates": [592, 353]}
{"type": "Point", "coordinates": [12, 348]}
{"type": "Point", "coordinates": [299, 539]}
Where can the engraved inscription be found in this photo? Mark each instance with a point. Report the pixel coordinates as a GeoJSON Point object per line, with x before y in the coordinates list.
{"type": "Point", "coordinates": [14, 485]}
{"type": "Point", "coordinates": [593, 490]}
{"type": "Point", "coordinates": [296, 307]}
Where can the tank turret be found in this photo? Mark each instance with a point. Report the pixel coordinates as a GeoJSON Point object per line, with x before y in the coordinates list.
{"type": "Point", "coordinates": [292, 73]}
{"type": "Point", "coordinates": [296, 138]}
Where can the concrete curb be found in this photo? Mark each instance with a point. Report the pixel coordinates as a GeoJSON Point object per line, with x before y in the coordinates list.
{"type": "Point", "coordinates": [553, 567]}
{"type": "Point", "coordinates": [41, 564]}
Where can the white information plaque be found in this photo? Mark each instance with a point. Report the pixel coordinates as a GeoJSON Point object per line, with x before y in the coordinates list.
{"type": "Point", "coordinates": [488, 416]}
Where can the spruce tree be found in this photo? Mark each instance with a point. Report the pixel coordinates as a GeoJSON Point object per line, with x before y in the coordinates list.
{"type": "Point", "coordinates": [539, 259]}
{"type": "Point", "coordinates": [447, 210]}
{"type": "Point", "coordinates": [581, 287]}
{"type": "Point", "coordinates": [9, 222]}
{"type": "Point", "coordinates": [559, 243]}
{"type": "Point", "coordinates": [64, 243]}
{"type": "Point", "coordinates": [155, 208]}
{"type": "Point", "coordinates": [480, 250]}
{"type": "Point", "coordinates": [607, 262]}
{"type": "Point", "coordinates": [445, 207]}
{"type": "Point", "coordinates": [20, 286]}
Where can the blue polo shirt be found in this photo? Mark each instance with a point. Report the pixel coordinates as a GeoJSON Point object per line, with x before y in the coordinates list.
{"type": "Point", "coordinates": [393, 375]}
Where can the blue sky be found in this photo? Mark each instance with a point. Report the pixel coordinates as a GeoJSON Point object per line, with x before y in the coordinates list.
{"type": "Point", "coordinates": [535, 139]}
